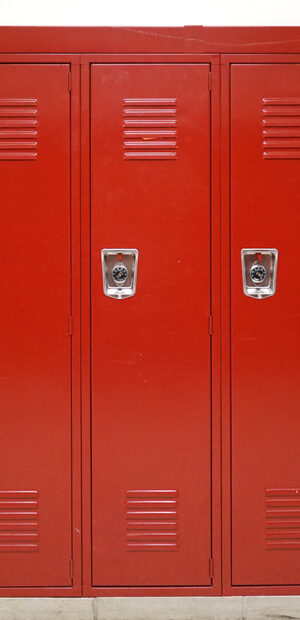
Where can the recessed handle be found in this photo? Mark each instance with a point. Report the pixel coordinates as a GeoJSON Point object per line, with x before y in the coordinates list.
{"type": "Point", "coordinates": [259, 268]}
{"type": "Point", "coordinates": [119, 271]}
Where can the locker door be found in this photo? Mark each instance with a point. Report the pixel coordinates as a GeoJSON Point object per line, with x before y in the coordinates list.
{"type": "Point", "coordinates": [151, 415]}
{"type": "Point", "coordinates": [35, 471]}
{"type": "Point", "coordinates": [265, 187]}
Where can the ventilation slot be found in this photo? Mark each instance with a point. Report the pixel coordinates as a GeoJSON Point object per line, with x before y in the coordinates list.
{"type": "Point", "coordinates": [19, 521]}
{"type": "Point", "coordinates": [150, 129]}
{"type": "Point", "coordinates": [281, 128]}
{"type": "Point", "coordinates": [283, 519]}
{"type": "Point", "coordinates": [18, 129]}
{"type": "Point", "coordinates": [152, 520]}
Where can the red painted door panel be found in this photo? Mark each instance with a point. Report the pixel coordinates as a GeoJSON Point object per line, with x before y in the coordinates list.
{"type": "Point", "coordinates": [265, 121]}
{"type": "Point", "coordinates": [35, 492]}
{"type": "Point", "coordinates": [151, 416]}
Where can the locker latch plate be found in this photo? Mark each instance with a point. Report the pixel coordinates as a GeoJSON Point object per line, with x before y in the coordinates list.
{"type": "Point", "coordinates": [119, 271]}
{"type": "Point", "coordinates": [259, 268]}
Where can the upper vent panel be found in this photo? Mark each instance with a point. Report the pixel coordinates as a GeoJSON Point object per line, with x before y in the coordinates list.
{"type": "Point", "coordinates": [150, 128]}
{"type": "Point", "coordinates": [18, 129]}
{"type": "Point", "coordinates": [281, 128]}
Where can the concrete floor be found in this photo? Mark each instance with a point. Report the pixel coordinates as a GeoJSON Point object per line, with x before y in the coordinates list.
{"type": "Point", "coordinates": [165, 608]}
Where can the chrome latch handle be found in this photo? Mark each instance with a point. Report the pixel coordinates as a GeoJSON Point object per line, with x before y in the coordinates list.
{"type": "Point", "coordinates": [119, 271]}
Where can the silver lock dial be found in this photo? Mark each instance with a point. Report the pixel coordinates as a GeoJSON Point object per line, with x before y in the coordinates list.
{"type": "Point", "coordinates": [258, 273]}
{"type": "Point", "coordinates": [119, 274]}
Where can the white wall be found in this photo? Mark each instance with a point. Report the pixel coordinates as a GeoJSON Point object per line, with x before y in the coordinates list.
{"type": "Point", "coordinates": [149, 12]}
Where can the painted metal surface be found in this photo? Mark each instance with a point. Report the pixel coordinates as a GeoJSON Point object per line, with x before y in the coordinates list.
{"type": "Point", "coordinates": [35, 494]}
{"type": "Point", "coordinates": [151, 418]}
{"type": "Point", "coordinates": [265, 334]}
{"type": "Point", "coordinates": [149, 40]}
{"type": "Point", "coordinates": [260, 146]}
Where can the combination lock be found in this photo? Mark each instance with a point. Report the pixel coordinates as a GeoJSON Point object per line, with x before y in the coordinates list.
{"type": "Point", "coordinates": [258, 272]}
{"type": "Point", "coordinates": [119, 274]}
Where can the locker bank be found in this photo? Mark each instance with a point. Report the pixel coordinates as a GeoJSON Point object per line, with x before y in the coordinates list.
{"type": "Point", "coordinates": [149, 316]}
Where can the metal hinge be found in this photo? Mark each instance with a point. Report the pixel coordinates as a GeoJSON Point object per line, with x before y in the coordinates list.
{"type": "Point", "coordinates": [71, 568]}
{"type": "Point", "coordinates": [211, 568]}
{"type": "Point", "coordinates": [209, 80]}
{"type": "Point", "coordinates": [70, 325]}
{"type": "Point", "coordinates": [210, 325]}
{"type": "Point", "coordinates": [70, 80]}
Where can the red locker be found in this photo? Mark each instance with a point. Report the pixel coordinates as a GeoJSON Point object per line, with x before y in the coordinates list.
{"type": "Point", "coordinates": [151, 439]}
{"type": "Point", "coordinates": [149, 443]}
{"type": "Point", "coordinates": [265, 130]}
{"type": "Point", "coordinates": [35, 490]}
